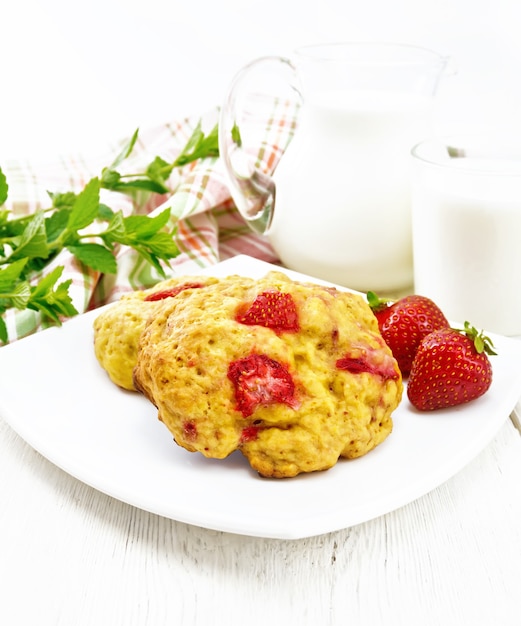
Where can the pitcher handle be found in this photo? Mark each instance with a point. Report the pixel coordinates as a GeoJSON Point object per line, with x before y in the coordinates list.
{"type": "Point", "coordinates": [252, 190]}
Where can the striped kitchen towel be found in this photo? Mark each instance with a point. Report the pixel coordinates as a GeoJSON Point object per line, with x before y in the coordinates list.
{"type": "Point", "coordinates": [206, 225]}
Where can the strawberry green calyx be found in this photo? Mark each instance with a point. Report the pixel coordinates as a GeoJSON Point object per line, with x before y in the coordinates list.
{"type": "Point", "coordinates": [482, 343]}
{"type": "Point", "coordinates": [376, 303]}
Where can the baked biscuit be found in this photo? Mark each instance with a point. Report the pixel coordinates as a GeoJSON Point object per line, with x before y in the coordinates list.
{"type": "Point", "coordinates": [118, 328]}
{"type": "Point", "coordinates": [294, 375]}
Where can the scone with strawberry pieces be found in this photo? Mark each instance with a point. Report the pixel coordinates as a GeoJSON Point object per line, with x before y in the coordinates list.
{"type": "Point", "coordinates": [294, 375]}
{"type": "Point", "coordinates": [118, 328]}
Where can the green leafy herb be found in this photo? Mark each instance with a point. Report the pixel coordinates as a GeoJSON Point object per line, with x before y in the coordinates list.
{"type": "Point", "coordinates": [89, 230]}
{"type": "Point", "coordinates": [154, 178]}
{"type": "Point", "coordinates": [198, 146]}
{"type": "Point", "coordinates": [4, 188]}
{"type": "Point", "coordinates": [236, 135]}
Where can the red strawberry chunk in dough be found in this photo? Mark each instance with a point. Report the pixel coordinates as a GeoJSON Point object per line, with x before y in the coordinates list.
{"type": "Point", "coordinates": [261, 381]}
{"type": "Point", "coordinates": [250, 433]}
{"type": "Point", "coordinates": [272, 309]}
{"type": "Point", "coordinates": [190, 430]}
{"type": "Point", "coordinates": [172, 292]}
{"type": "Point", "coordinates": [371, 361]}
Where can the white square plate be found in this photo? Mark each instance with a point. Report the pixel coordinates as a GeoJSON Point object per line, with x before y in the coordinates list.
{"type": "Point", "coordinates": [54, 394]}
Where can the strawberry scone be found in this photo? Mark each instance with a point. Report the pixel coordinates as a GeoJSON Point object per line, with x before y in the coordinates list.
{"type": "Point", "coordinates": [118, 328]}
{"type": "Point", "coordinates": [294, 375]}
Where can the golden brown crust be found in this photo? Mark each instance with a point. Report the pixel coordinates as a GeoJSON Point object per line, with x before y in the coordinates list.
{"type": "Point", "coordinates": [183, 367]}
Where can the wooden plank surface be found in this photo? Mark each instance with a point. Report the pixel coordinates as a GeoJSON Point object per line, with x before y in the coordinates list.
{"type": "Point", "coordinates": [72, 556]}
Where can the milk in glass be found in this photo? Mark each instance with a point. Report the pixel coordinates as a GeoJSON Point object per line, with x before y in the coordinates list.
{"type": "Point", "coordinates": [467, 229]}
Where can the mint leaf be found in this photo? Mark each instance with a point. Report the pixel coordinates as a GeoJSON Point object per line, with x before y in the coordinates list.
{"type": "Point", "coordinates": [110, 178]}
{"type": "Point", "coordinates": [116, 228]}
{"type": "Point", "coordinates": [52, 302]}
{"type": "Point", "coordinates": [33, 241]}
{"type": "Point", "coordinates": [4, 188]}
{"type": "Point", "coordinates": [61, 300]}
{"type": "Point", "coordinates": [95, 256]}
{"type": "Point", "coordinates": [159, 170]}
{"type": "Point", "coordinates": [145, 225]}
{"type": "Point", "coordinates": [21, 295]}
{"type": "Point", "coordinates": [152, 259]}
{"type": "Point", "coordinates": [86, 206]}
{"type": "Point", "coordinates": [56, 224]}
{"type": "Point", "coordinates": [62, 200]}
{"type": "Point", "coordinates": [10, 274]}
{"type": "Point", "coordinates": [138, 184]}
{"type": "Point", "coordinates": [199, 146]}
{"type": "Point", "coordinates": [47, 282]}
{"type": "Point", "coordinates": [134, 228]}
{"type": "Point", "coordinates": [13, 227]}
{"type": "Point", "coordinates": [4, 214]}
{"type": "Point", "coordinates": [105, 213]}
{"type": "Point", "coordinates": [3, 330]}
{"type": "Point", "coordinates": [144, 234]}
{"type": "Point", "coordinates": [162, 245]}
{"type": "Point", "coordinates": [236, 135]}
{"type": "Point", "coordinates": [125, 152]}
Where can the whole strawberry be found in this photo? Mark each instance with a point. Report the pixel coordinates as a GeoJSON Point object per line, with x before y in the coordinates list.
{"type": "Point", "coordinates": [451, 367]}
{"type": "Point", "coordinates": [404, 323]}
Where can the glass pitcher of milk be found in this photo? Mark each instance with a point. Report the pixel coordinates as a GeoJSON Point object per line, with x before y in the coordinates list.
{"type": "Point", "coordinates": [337, 206]}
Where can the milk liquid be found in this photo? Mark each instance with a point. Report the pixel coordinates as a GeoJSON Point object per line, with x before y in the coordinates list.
{"type": "Point", "coordinates": [467, 252]}
{"type": "Point", "coordinates": [342, 209]}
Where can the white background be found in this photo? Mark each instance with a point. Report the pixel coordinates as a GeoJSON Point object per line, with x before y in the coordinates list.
{"type": "Point", "coordinates": [75, 74]}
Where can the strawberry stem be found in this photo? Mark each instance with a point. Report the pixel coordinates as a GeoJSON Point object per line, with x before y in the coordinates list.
{"type": "Point", "coordinates": [482, 343]}
{"type": "Point", "coordinates": [376, 303]}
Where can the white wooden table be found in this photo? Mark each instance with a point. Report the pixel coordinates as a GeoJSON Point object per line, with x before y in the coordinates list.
{"type": "Point", "coordinates": [71, 556]}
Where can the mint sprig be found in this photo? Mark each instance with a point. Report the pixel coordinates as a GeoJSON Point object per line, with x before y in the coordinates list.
{"type": "Point", "coordinates": [156, 174]}
{"type": "Point", "coordinates": [47, 297]}
{"type": "Point", "coordinates": [89, 230]}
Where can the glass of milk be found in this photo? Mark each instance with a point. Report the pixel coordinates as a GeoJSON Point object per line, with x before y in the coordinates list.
{"type": "Point", "coordinates": [466, 208]}
{"type": "Point", "coordinates": [337, 206]}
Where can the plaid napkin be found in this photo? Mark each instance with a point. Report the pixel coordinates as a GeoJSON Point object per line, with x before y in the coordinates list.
{"type": "Point", "coordinates": [209, 227]}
